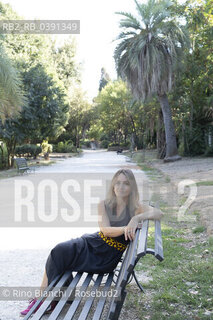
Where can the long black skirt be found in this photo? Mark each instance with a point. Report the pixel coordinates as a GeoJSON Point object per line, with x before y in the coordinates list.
{"type": "Point", "coordinates": [88, 253]}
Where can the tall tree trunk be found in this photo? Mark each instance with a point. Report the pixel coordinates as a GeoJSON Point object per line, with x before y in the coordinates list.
{"type": "Point", "coordinates": [3, 164]}
{"type": "Point", "coordinates": [191, 116]}
{"type": "Point", "coordinates": [8, 156]}
{"type": "Point", "coordinates": [77, 140]}
{"type": "Point", "coordinates": [161, 141]}
{"type": "Point", "coordinates": [134, 130]}
{"type": "Point", "coordinates": [76, 136]}
{"type": "Point", "coordinates": [84, 129]}
{"type": "Point", "coordinates": [13, 152]}
{"type": "Point", "coordinates": [171, 143]}
{"type": "Point", "coordinates": [132, 147]}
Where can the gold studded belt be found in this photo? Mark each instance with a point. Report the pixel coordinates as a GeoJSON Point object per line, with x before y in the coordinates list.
{"type": "Point", "coordinates": [112, 242]}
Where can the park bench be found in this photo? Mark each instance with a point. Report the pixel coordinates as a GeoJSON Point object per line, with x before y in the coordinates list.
{"type": "Point", "coordinates": [22, 166]}
{"type": "Point", "coordinates": [119, 151]}
{"type": "Point", "coordinates": [136, 249]}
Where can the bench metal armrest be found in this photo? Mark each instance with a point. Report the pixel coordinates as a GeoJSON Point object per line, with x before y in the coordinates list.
{"type": "Point", "coordinates": [142, 246]}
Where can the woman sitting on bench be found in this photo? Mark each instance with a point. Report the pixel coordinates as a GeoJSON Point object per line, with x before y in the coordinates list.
{"type": "Point", "coordinates": [101, 251]}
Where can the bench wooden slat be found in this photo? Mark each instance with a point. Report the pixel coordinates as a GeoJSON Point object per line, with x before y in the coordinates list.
{"type": "Point", "coordinates": [101, 302]}
{"type": "Point", "coordinates": [124, 264]}
{"type": "Point", "coordinates": [47, 302]}
{"type": "Point", "coordinates": [158, 241]}
{"type": "Point", "coordinates": [130, 261]}
{"type": "Point", "coordinates": [71, 311]}
{"type": "Point", "coordinates": [51, 285]}
{"type": "Point", "coordinates": [69, 291]}
{"type": "Point", "coordinates": [142, 246]}
{"type": "Point", "coordinates": [133, 251]}
{"type": "Point", "coordinates": [90, 299]}
{"type": "Point", "coordinates": [124, 275]}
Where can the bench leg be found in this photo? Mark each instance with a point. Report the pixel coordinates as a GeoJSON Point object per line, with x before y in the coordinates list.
{"type": "Point", "coordinates": [136, 280]}
{"type": "Point", "coordinates": [119, 305]}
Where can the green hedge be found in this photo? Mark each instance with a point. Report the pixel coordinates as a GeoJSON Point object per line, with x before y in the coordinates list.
{"type": "Point", "coordinates": [125, 144]}
{"type": "Point", "coordinates": [209, 152]}
{"type": "Point", "coordinates": [28, 150]}
{"type": "Point", "coordinates": [112, 144]}
{"type": "Point", "coordinates": [122, 144]}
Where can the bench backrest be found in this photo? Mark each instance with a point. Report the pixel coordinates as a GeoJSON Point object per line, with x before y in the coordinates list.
{"type": "Point", "coordinates": [21, 163]}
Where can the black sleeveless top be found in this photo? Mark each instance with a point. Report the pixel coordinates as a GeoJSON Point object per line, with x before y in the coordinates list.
{"type": "Point", "coordinates": [118, 221]}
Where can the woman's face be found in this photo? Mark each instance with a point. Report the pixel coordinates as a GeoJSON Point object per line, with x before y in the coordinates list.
{"type": "Point", "coordinates": [122, 186]}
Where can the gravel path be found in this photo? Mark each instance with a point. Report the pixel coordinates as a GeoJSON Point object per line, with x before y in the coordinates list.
{"type": "Point", "coordinates": [20, 268]}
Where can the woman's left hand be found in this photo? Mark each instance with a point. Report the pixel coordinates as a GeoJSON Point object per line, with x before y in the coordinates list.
{"type": "Point", "coordinates": [129, 230]}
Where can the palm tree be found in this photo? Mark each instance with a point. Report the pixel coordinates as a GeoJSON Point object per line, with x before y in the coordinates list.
{"type": "Point", "coordinates": [11, 93]}
{"type": "Point", "coordinates": [147, 56]}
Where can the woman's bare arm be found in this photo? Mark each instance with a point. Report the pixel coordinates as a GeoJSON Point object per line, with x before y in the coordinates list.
{"type": "Point", "coordinates": [144, 212]}
{"type": "Point", "coordinates": [147, 212]}
{"type": "Point", "coordinates": [104, 223]}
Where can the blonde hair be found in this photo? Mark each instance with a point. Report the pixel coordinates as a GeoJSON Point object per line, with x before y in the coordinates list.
{"type": "Point", "coordinates": [133, 200]}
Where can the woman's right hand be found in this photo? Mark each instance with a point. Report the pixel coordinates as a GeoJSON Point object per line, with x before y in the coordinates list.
{"type": "Point", "coordinates": [129, 230]}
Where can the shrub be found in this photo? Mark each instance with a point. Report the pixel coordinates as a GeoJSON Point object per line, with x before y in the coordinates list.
{"type": "Point", "coordinates": [65, 147]}
{"type": "Point", "coordinates": [85, 142]}
{"type": "Point", "coordinates": [208, 152]}
{"type": "Point", "coordinates": [104, 136]}
{"type": "Point", "coordinates": [46, 147]}
{"type": "Point", "coordinates": [125, 144]}
{"type": "Point", "coordinates": [104, 144]}
{"type": "Point", "coordinates": [195, 141]}
{"type": "Point", "coordinates": [28, 150]}
{"type": "Point", "coordinates": [3, 158]}
{"type": "Point", "coordinates": [112, 144]}
{"type": "Point", "coordinates": [181, 149]}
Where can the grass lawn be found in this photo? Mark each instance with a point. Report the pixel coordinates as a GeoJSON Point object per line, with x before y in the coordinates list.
{"type": "Point", "coordinates": [181, 286]}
